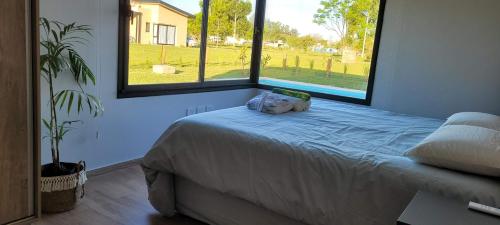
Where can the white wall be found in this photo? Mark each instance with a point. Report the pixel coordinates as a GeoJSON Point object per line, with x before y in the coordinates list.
{"type": "Point", "coordinates": [129, 126]}
{"type": "Point", "coordinates": [438, 57]}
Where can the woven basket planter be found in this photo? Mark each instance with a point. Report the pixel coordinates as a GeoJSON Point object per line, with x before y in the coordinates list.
{"type": "Point", "coordinates": [61, 193]}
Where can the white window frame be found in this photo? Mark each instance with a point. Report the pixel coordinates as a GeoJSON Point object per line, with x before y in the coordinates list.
{"type": "Point", "coordinates": [170, 39]}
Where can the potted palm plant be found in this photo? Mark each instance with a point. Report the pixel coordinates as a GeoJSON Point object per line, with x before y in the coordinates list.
{"type": "Point", "coordinates": [62, 182]}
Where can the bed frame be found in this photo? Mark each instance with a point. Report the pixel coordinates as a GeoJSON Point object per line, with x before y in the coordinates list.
{"type": "Point", "coordinates": [210, 206]}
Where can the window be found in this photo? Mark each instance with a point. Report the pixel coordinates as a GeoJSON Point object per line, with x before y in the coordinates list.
{"type": "Point", "coordinates": [155, 33]}
{"type": "Point", "coordinates": [193, 46]}
{"type": "Point", "coordinates": [328, 48]}
{"type": "Point", "coordinates": [165, 34]}
{"type": "Point", "coordinates": [229, 48]}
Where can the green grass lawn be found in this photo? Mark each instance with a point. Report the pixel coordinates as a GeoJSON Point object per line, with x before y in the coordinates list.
{"type": "Point", "coordinates": [225, 63]}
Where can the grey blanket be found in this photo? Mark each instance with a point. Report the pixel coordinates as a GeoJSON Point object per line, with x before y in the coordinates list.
{"type": "Point", "coordinates": [335, 164]}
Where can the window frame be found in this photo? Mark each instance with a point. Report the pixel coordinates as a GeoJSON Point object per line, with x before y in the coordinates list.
{"type": "Point", "coordinates": [155, 33]}
{"type": "Point", "coordinates": [127, 91]}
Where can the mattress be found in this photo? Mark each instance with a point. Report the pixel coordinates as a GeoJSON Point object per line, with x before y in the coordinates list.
{"type": "Point", "coordinates": [335, 164]}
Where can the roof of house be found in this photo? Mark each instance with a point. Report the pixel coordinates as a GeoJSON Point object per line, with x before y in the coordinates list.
{"type": "Point", "coordinates": [168, 6]}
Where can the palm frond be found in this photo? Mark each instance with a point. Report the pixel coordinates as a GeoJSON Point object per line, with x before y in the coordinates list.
{"type": "Point", "coordinates": [71, 99]}
{"type": "Point", "coordinates": [81, 72]}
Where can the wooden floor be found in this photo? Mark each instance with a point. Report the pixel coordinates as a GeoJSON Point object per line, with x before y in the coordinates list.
{"type": "Point", "coordinates": [115, 198]}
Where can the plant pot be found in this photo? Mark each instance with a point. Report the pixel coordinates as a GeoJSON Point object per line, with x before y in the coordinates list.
{"type": "Point", "coordinates": [61, 190]}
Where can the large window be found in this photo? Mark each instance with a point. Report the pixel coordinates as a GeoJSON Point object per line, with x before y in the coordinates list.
{"type": "Point", "coordinates": [194, 46]}
{"type": "Point", "coordinates": [325, 47]}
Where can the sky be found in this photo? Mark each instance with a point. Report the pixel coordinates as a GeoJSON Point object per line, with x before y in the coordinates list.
{"type": "Point", "coordinates": [297, 14]}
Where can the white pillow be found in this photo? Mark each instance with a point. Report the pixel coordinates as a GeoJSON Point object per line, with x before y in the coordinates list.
{"type": "Point", "coordinates": [474, 119]}
{"type": "Point", "coordinates": [461, 147]}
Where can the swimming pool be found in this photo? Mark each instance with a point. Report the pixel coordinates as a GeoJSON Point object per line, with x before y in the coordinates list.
{"type": "Point", "coordinates": [313, 88]}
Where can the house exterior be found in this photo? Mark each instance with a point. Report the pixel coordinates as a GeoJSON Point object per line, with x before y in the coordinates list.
{"type": "Point", "coordinates": [157, 22]}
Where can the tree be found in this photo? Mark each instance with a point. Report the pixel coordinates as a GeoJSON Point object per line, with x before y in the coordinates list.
{"type": "Point", "coordinates": [304, 42]}
{"type": "Point", "coordinates": [238, 12]}
{"type": "Point", "coordinates": [194, 26]}
{"type": "Point", "coordinates": [333, 16]}
{"type": "Point", "coordinates": [363, 16]}
{"type": "Point", "coordinates": [352, 20]}
{"type": "Point", "coordinates": [225, 17]}
{"type": "Point", "coordinates": [218, 20]}
{"type": "Point", "coordinates": [245, 29]}
{"type": "Point", "coordinates": [275, 31]}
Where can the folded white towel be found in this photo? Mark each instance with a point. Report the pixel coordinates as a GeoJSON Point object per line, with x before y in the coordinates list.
{"type": "Point", "coordinates": [277, 103]}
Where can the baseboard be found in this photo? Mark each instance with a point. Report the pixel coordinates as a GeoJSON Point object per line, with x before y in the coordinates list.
{"type": "Point", "coordinates": [111, 168]}
{"type": "Point", "coordinates": [25, 221]}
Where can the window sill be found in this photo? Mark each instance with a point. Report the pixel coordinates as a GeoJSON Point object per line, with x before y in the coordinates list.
{"type": "Point", "coordinates": [366, 101]}
{"type": "Point", "coordinates": [133, 91]}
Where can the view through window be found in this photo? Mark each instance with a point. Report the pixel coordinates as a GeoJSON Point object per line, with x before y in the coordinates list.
{"type": "Point", "coordinates": [230, 35]}
{"type": "Point", "coordinates": [168, 54]}
{"type": "Point", "coordinates": [171, 52]}
{"type": "Point", "coordinates": [320, 46]}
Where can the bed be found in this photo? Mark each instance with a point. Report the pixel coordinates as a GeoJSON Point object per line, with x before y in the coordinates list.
{"type": "Point", "coordinates": [335, 164]}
